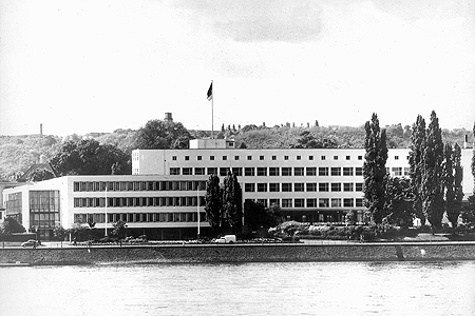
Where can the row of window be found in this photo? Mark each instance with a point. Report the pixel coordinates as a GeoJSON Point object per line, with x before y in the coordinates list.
{"type": "Point", "coordinates": [100, 186]}
{"type": "Point", "coordinates": [139, 217]}
{"type": "Point", "coordinates": [282, 171]}
{"type": "Point", "coordinates": [270, 171]}
{"type": "Point", "coordinates": [314, 202]}
{"type": "Point", "coordinates": [138, 201]}
{"type": "Point", "coordinates": [273, 157]}
{"type": "Point", "coordinates": [304, 187]}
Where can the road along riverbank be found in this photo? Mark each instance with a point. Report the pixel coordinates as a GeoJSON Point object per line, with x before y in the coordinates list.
{"type": "Point", "coordinates": [209, 253]}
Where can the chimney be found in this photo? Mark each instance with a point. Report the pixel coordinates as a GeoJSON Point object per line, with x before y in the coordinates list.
{"type": "Point", "coordinates": [168, 117]}
{"type": "Point", "coordinates": [465, 142]}
{"type": "Point", "coordinates": [41, 129]}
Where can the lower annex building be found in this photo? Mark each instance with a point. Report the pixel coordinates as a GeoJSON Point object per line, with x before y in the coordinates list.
{"type": "Point", "coordinates": [165, 193]}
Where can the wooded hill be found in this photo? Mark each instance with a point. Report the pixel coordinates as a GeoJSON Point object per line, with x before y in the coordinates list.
{"type": "Point", "coordinates": [18, 153]}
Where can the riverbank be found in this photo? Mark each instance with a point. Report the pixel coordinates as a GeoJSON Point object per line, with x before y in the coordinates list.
{"type": "Point", "coordinates": [210, 253]}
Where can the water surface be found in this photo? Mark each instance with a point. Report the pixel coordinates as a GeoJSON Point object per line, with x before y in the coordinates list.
{"type": "Point", "coordinates": [353, 288]}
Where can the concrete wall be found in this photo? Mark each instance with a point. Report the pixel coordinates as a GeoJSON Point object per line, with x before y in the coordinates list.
{"type": "Point", "coordinates": [240, 253]}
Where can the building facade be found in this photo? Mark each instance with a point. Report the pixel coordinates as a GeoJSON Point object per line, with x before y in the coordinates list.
{"type": "Point", "coordinates": [315, 185]}
{"type": "Point", "coordinates": [161, 207]}
{"type": "Point", "coordinates": [165, 193]}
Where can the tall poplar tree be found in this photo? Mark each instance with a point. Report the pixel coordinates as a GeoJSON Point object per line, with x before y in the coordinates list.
{"type": "Point", "coordinates": [232, 203]}
{"type": "Point", "coordinates": [449, 179]}
{"type": "Point", "coordinates": [432, 186]}
{"type": "Point", "coordinates": [374, 169]}
{"type": "Point", "coordinates": [458, 178]}
{"type": "Point", "coordinates": [416, 158]}
{"type": "Point", "coordinates": [213, 200]}
{"type": "Point", "coordinates": [469, 211]}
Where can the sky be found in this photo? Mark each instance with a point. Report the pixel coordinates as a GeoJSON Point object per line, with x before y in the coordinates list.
{"type": "Point", "coordinates": [97, 66]}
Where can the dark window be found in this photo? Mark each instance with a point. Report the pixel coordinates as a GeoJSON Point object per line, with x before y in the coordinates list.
{"type": "Point", "coordinates": [311, 171]}
{"type": "Point", "coordinates": [274, 187]}
{"type": "Point", "coordinates": [249, 172]}
{"type": "Point", "coordinates": [249, 157]}
{"type": "Point", "coordinates": [348, 202]}
{"type": "Point", "coordinates": [336, 171]}
{"type": "Point", "coordinates": [286, 171]}
{"type": "Point", "coordinates": [311, 202]}
{"type": "Point", "coordinates": [347, 171]}
{"type": "Point", "coordinates": [299, 187]}
{"type": "Point", "coordinates": [237, 171]}
{"type": "Point", "coordinates": [261, 157]}
{"type": "Point", "coordinates": [175, 171]}
{"type": "Point", "coordinates": [358, 171]}
{"type": "Point", "coordinates": [187, 157]}
{"type": "Point", "coordinates": [323, 171]}
{"type": "Point", "coordinates": [298, 171]}
{"type": "Point", "coordinates": [199, 171]}
{"type": "Point", "coordinates": [262, 171]}
{"type": "Point", "coordinates": [299, 202]}
{"type": "Point", "coordinates": [262, 187]}
{"type": "Point", "coordinates": [336, 187]}
{"type": "Point", "coordinates": [212, 170]}
{"type": "Point", "coordinates": [273, 171]}
{"type": "Point", "coordinates": [348, 187]}
{"type": "Point", "coordinates": [274, 157]}
{"type": "Point", "coordinates": [359, 187]}
{"type": "Point", "coordinates": [236, 157]}
{"type": "Point", "coordinates": [249, 187]}
{"type": "Point", "coordinates": [311, 187]}
{"type": "Point", "coordinates": [211, 157]}
{"type": "Point", "coordinates": [225, 157]}
{"type": "Point", "coordinates": [323, 187]}
{"type": "Point", "coordinates": [286, 187]}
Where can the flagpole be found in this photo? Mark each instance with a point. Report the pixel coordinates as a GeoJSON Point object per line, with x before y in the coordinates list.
{"type": "Point", "coordinates": [198, 209]}
{"type": "Point", "coordinates": [105, 211]}
{"type": "Point", "coordinates": [212, 110]}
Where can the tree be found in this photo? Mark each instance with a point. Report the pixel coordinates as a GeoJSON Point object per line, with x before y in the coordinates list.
{"type": "Point", "coordinates": [448, 181]}
{"type": "Point", "coordinates": [120, 229]}
{"type": "Point", "coordinates": [399, 202]}
{"type": "Point", "coordinates": [41, 175]}
{"type": "Point", "coordinates": [89, 157]}
{"type": "Point", "coordinates": [416, 156]}
{"type": "Point", "coordinates": [213, 200]}
{"type": "Point", "coordinates": [59, 232]}
{"type": "Point", "coordinates": [432, 186]}
{"type": "Point", "coordinates": [351, 217]}
{"type": "Point", "coordinates": [11, 226]}
{"type": "Point", "coordinates": [374, 169]}
{"type": "Point", "coordinates": [256, 215]}
{"type": "Point", "coordinates": [158, 134]}
{"type": "Point", "coordinates": [232, 203]}
{"type": "Point", "coordinates": [468, 214]}
{"type": "Point", "coordinates": [453, 183]}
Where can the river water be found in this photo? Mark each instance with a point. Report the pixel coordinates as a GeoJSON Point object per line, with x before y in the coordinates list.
{"type": "Point", "coordinates": [343, 288]}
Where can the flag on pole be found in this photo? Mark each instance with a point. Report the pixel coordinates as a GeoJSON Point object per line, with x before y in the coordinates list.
{"type": "Point", "coordinates": [210, 91]}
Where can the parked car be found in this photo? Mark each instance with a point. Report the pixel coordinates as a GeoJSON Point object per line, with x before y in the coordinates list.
{"type": "Point", "coordinates": [30, 243]}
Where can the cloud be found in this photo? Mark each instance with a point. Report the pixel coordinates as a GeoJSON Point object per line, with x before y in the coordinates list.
{"type": "Point", "coordinates": [260, 21]}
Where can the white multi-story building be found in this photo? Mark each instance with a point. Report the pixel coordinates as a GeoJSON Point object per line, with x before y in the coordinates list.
{"type": "Point", "coordinates": [310, 184]}
{"type": "Point", "coordinates": [162, 207]}
{"type": "Point", "coordinates": [166, 190]}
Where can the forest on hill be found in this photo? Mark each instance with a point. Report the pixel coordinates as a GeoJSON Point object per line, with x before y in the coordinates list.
{"type": "Point", "coordinates": [18, 153]}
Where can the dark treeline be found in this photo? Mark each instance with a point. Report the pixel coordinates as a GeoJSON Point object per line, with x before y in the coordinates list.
{"type": "Point", "coordinates": [18, 153]}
